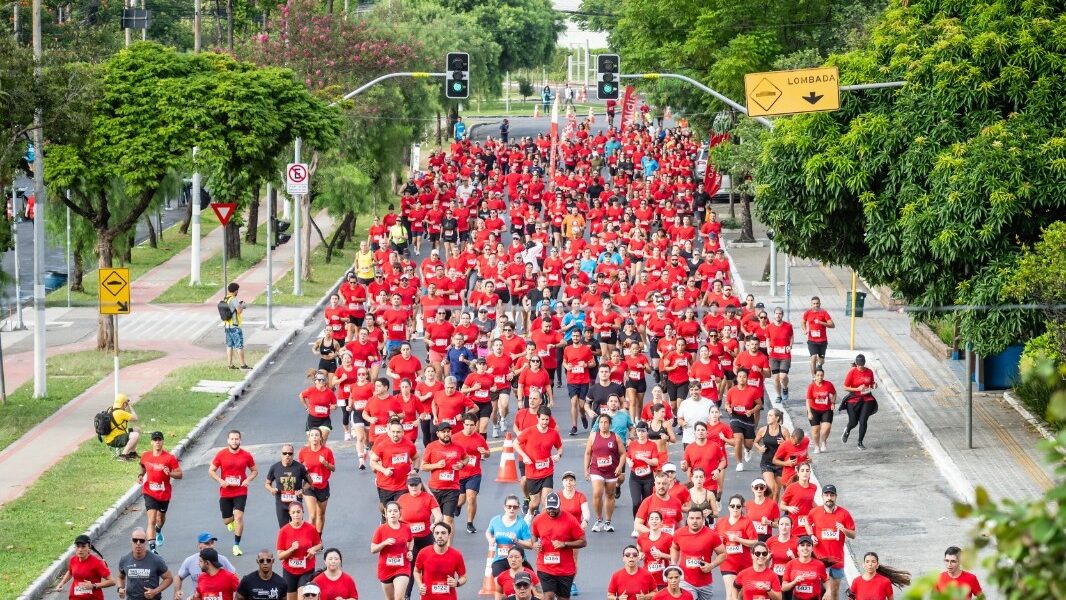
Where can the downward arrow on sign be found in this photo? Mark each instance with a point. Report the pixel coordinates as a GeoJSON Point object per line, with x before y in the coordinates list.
{"type": "Point", "coordinates": [813, 98]}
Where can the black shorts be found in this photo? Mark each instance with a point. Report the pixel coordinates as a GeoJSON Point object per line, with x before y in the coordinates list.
{"type": "Point", "coordinates": [470, 483]}
{"type": "Point", "coordinates": [484, 409]}
{"type": "Point", "coordinates": [229, 505]}
{"type": "Point", "coordinates": [151, 503]}
{"type": "Point", "coordinates": [820, 416]}
{"type": "Point", "coordinates": [771, 469]}
{"type": "Point", "coordinates": [640, 385]}
{"type": "Point", "coordinates": [450, 237]}
{"type": "Point", "coordinates": [743, 426]}
{"type": "Point", "coordinates": [817, 348]}
{"type": "Point", "coordinates": [295, 582]}
{"type": "Point", "coordinates": [448, 500]}
{"type": "Point", "coordinates": [556, 584]}
{"type": "Point", "coordinates": [782, 365]}
{"type": "Point", "coordinates": [504, 294]}
{"type": "Point", "coordinates": [499, 566]}
{"type": "Point", "coordinates": [386, 496]}
{"type": "Point", "coordinates": [608, 338]}
{"type": "Point", "coordinates": [318, 423]}
{"type": "Point", "coordinates": [357, 321]}
{"type": "Point", "coordinates": [494, 395]}
{"type": "Point", "coordinates": [322, 495]}
{"type": "Point", "coordinates": [534, 486]}
{"type": "Point", "coordinates": [653, 347]}
{"type": "Point", "coordinates": [434, 237]}
{"type": "Point", "coordinates": [416, 234]}
{"type": "Point", "coordinates": [464, 236]}
{"type": "Point", "coordinates": [577, 389]}
{"type": "Point", "coordinates": [517, 300]}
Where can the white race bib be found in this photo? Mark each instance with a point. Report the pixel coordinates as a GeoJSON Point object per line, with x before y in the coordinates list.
{"type": "Point", "coordinates": [642, 471]}
{"type": "Point", "coordinates": [83, 588]}
{"type": "Point", "coordinates": [321, 411]}
{"type": "Point", "coordinates": [542, 353]}
{"type": "Point", "coordinates": [692, 562]}
{"type": "Point", "coordinates": [830, 534]}
{"type": "Point", "coordinates": [446, 475]}
{"type": "Point", "coordinates": [155, 486]}
{"type": "Point", "coordinates": [502, 550]}
{"type": "Point", "coordinates": [316, 477]}
{"type": "Point", "coordinates": [780, 350]}
{"type": "Point", "coordinates": [500, 379]}
{"type": "Point", "coordinates": [706, 385]}
{"type": "Point", "coordinates": [604, 461]}
{"type": "Point", "coordinates": [399, 327]}
{"type": "Point", "coordinates": [779, 570]}
{"type": "Point", "coordinates": [233, 480]}
{"type": "Point", "coordinates": [655, 566]}
{"type": "Point", "coordinates": [440, 588]}
{"type": "Point", "coordinates": [481, 394]}
{"type": "Point", "coordinates": [297, 563]}
{"type": "Point", "coordinates": [760, 528]}
{"type": "Point", "coordinates": [815, 333]}
{"type": "Point", "coordinates": [540, 465]}
{"type": "Point", "coordinates": [359, 405]}
{"type": "Point", "coordinates": [418, 527]}
{"type": "Point", "coordinates": [552, 558]}
{"type": "Point", "coordinates": [805, 588]}
{"type": "Point", "coordinates": [734, 549]}
{"type": "Point", "coordinates": [395, 560]}
{"type": "Point", "coordinates": [399, 459]}
{"type": "Point", "coordinates": [635, 374]}
{"type": "Point", "coordinates": [802, 521]}
{"type": "Point", "coordinates": [577, 370]}
{"type": "Point", "coordinates": [288, 497]}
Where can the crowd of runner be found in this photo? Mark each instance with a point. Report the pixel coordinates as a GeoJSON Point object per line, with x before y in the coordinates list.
{"type": "Point", "coordinates": [600, 289]}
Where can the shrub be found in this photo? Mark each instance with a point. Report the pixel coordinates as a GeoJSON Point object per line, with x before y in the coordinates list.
{"type": "Point", "coordinates": [1035, 392]}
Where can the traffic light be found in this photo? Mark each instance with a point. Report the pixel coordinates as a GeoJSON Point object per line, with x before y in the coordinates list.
{"type": "Point", "coordinates": [457, 75]}
{"type": "Point", "coordinates": [607, 71]}
{"type": "Point", "coordinates": [280, 237]}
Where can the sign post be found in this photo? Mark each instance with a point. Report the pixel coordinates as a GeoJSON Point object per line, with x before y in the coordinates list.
{"type": "Point", "coordinates": [114, 294]}
{"type": "Point", "coordinates": [792, 92]}
{"type": "Point", "coordinates": [224, 211]}
{"type": "Point", "coordinates": [297, 184]}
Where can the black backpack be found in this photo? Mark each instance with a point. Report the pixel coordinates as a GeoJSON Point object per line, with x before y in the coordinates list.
{"type": "Point", "coordinates": [225, 311]}
{"type": "Point", "coordinates": [104, 422]}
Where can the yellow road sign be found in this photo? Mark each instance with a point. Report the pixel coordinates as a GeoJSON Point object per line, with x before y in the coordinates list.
{"type": "Point", "coordinates": [791, 92]}
{"type": "Point", "coordinates": [114, 291]}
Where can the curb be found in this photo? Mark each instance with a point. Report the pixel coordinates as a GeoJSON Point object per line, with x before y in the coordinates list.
{"type": "Point", "coordinates": [38, 589]}
{"type": "Point", "coordinates": [851, 568]}
{"type": "Point", "coordinates": [1037, 423]}
{"type": "Point", "coordinates": [962, 488]}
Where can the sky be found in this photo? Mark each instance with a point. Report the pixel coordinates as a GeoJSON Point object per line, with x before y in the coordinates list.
{"type": "Point", "coordinates": [574, 36]}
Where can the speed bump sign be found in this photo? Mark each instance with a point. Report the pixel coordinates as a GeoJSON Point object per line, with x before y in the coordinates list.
{"type": "Point", "coordinates": [115, 291]}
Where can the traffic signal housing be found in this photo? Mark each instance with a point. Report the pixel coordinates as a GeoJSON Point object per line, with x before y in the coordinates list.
{"type": "Point", "coordinates": [607, 76]}
{"type": "Point", "coordinates": [280, 237]}
{"type": "Point", "coordinates": [457, 75]}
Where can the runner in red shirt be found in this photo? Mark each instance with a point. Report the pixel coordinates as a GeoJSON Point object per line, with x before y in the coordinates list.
{"type": "Point", "coordinates": [742, 402]}
{"type": "Point", "coordinates": [954, 577]}
{"type": "Point", "coordinates": [333, 583]}
{"type": "Point", "coordinates": [535, 446]}
{"type": "Point", "coordinates": [804, 576]}
{"type": "Point", "coordinates": [444, 459]}
{"type": "Point", "coordinates": [476, 450]}
{"type": "Point", "coordinates": [673, 575]}
{"type": "Point", "coordinates": [876, 580]}
{"type": "Point", "coordinates": [440, 569]}
{"type": "Point", "coordinates": [319, 402]}
{"type": "Point", "coordinates": [632, 580]}
{"type": "Point", "coordinates": [158, 467]}
{"type": "Point", "coordinates": [821, 403]}
{"type": "Point", "coordinates": [829, 525]}
{"type": "Point", "coordinates": [699, 551]}
{"type": "Point", "coordinates": [556, 535]}
{"type": "Point", "coordinates": [758, 582]}
{"type": "Point", "coordinates": [393, 544]}
{"type": "Point", "coordinates": [577, 359]}
{"type": "Point", "coordinates": [234, 469]}
{"type": "Point", "coordinates": [214, 582]}
{"type": "Point", "coordinates": [798, 497]}
{"type": "Point", "coordinates": [298, 543]}
{"type": "Point", "coordinates": [320, 464]}
{"type": "Point", "coordinates": [779, 347]}
{"type": "Point", "coordinates": [404, 366]}
{"type": "Point", "coordinates": [661, 502]}
{"type": "Point", "coordinates": [815, 321]}
{"type": "Point", "coordinates": [419, 510]}
{"type": "Point", "coordinates": [392, 459]}
{"type": "Point", "coordinates": [337, 317]}
{"type": "Point", "coordinates": [87, 574]}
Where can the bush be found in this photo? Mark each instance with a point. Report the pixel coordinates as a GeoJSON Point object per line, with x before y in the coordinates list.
{"type": "Point", "coordinates": [525, 87]}
{"type": "Point", "coordinates": [1035, 392]}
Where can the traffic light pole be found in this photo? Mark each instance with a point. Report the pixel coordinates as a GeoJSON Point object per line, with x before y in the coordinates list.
{"type": "Point", "coordinates": [366, 86]}
{"type": "Point", "coordinates": [652, 76]}
{"type": "Point", "coordinates": [271, 213]}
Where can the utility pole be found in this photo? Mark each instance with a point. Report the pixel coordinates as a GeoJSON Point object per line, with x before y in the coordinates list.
{"type": "Point", "coordinates": [40, 385]}
{"type": "Point", "coordinates": [15, 22]}
{"type": "Point", "coordinates": [196, 26]}
{"type": "Point", "coordinates": [129, 34]}
{"type": "Point", "coordinates": [144, 32]}
{"type": "Point", "coordinates": [194, 245]}
{"type": "Point", "coordinates": [297, 205]}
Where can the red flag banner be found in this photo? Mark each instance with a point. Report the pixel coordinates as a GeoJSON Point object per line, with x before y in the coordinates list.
{"type": "Point", "coordinates": [629, 106]}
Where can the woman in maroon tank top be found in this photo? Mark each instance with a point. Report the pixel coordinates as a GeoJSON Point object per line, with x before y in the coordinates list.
{"type": "Point", "coordinates": [603, 466]}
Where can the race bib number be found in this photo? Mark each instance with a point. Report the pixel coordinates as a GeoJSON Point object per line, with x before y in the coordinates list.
{"type": "Point", "coordinates": [297, 563]}
{"type": "Point", "coordinates": [635, 374]}
{"type": "Point", "coordinates": [336, 326]}
{"type": "Point", "coordinates": [288, 497]}
{"type": "Point", "coordinates": [399, 459]}
{"type": "Point", "coordinates": [577, 370]}
{"type": "Point", "coordinates": [503, 549]}
{"type": "Point", "coordinates": [604, 461]}
{"type": "Point", "coordinates": [380, 429]}
{"type": "Point", "coordinates": [760, 528]}
{"type": "Point", "coordinates": [805, 588]}
{"type": "Point", "coordinates": [157, 486]}
{"type": "Point", "coordinates": [359, 405]}
{"type": "Point", "coordinates": [441, 588]}
{"type": "Point", "coordinates": [542, 353]}
{"type": "Point", "coordinates": [233, 480]}
{"type": "Point", "coordinates": [210, 596]}
{"type": "Point", "coordinates": [552, 558]}
{"type": "Point", "coordinates": [395, 560]}
{"type": "Point", "coordinates": [802, 521]}
{"type": "Point", "coordinates": [780, 350]}
{"type": "Point", "coordinates": [779, 570]}
{"type": "Point", "coordinates": [692, 562]}
{"type": "Point", "coordinates": [84, 588]}
{"type": "Point", "coordinates": [481, 394]}
{"type": "Point", "coordinates": [446, 475]}
{"type": "Point", "coordinates": [815, 333]}
{"type": "Point", "coordinates": [316, 477]}
{"type": "Point", "coordinates": [669, 530]}
{"type": "Point", "coordinates": [734, 549]}
{"type": "Point", "coordinates": [500, 379]}
{"type": "Point", "coordinates": [398, 328]}
{"type": "Point", "coordinates": [344, 393]}
{"type": "Point", "coordinates": [830, 534]}
{"type": "Point", "coordinates": [418, 527]}
{"type": "Point", "coordinates": [642, 471]}
{"type": "Point", "coordinates": [706, 385]}
{"type": "Point", "coordinates": [408, 426]}
{"type": "Point", "coordinates": [540, 465]}
{"type": "Point", "coordinates": [321, 411]}
{"type": "Point", "coordinates": [655, 566]}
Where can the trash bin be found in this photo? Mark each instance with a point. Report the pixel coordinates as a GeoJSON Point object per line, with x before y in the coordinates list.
{"type": "Point", "coordinates": [53, 280]}
{"type": "Point", "coordinates": [860, 299]}
{"type": "Point", "coordinates": [1001, 370]}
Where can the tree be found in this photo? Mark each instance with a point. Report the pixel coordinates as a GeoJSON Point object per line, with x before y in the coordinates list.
{"type": "Point", "coordinates": [1040, 276]}
{"type": "Point", "coordinates": [525, 88]}
{"type": "Point", "coordinates": [932, 189]}
{"type": "Point", "coordinates": [739, 158]}
{"type": "Point", "coordinates": [525, 30]}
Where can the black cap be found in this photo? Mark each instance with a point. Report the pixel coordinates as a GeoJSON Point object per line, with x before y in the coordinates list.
{"type": "Point", "coordinates": [157, 435]}
{"type": "Point", "coordinates": [413, 479]}
{"type": "Point", "coordinates": [82, 539]}
{"type": "Point", "coordinates": [210, 555]}
{"type": "Point", "coordinates": [552, 501]}
{"type": "Point", "coordinates": [805, 539]}
{"type": "Point", "coordinates": [444, 425]}
{"type": "Point", "coordinates": [829, 489]}
{"type": "Point", "coordinates": [642, 425]}
{"type": "Point", "coordinates": [523, 578]}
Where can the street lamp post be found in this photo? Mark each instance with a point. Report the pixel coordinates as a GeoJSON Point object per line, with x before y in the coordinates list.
{"type": "Point", "coordinates": [40, 386]}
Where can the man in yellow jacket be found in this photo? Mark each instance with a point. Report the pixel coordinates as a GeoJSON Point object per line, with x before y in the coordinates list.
{"type": "Point", "coordinates": [122, 435]}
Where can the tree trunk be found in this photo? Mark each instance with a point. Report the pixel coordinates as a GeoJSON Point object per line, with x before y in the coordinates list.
{"type": "Point", "coordinates": [78, 274]}
{"type": "Point", "coordinates": [747, 233]}
{"type": "Point", "coordinates": [105, 330]}
{"type": "Point", "coordinates": [305, 206]}
{"type": "Point", "coordinates": [233, 241]}
{"type": "Point", "coordinates": [766, 268]}
{"type": "Point", "coordinates": [151, 232]}
{"type": "Point", "coordinates": [229, 25]}
{"type": "Point", "coordinates": [338, 236]}
{"type": "Point", "coordinates": [127, 255]}
{"type": "Point", "coordinates": [440, 140]}
{"type": "Point", "coordinates": [188, 220]}
{"type": "Point", "coordinates": [732, 203]}
{"type": "Point", "coordinates": [253, 218]}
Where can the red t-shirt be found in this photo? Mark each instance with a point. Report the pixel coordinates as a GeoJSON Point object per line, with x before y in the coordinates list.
{"type": "Point", "coordinates": [397, 456]}
{"type": "Point", "coordinates": [565, 528]}
{"type": "Point", "coordinates": [453, 455]}
{"type": "Point", "coordinates": [820, 395]}
{"type": "Point", "coordinates": [538, 446]}
{"type": "Point", "coordinates": [83, 574]}
{"type": "Point", "coordinates": [780, 340]}
{"type": "Point", "coordinates": [664, 594]}
{"type": "Point", "coordinates": [232, 468]}
{"type": "Point", "coordinates": [578, 374]}
{"type": "Point", "coordinates": [436, 569]}
{"type": "Point", "coordinates": [857, 378]}
{"type": "Point", "coordinates": [317, 472]}
{"type": "Point", "coordinates": [696, 548]}
{"type": "Point", "coordinates": [623, 582]}
{"type": "Point", "coordinates": [745, 399]}
{"type": "Point", "coordinates": [405, 368]}
{"type": "Point", "coordinates": [757, 585]}
{"type": "Point", "coordinates": [220, 586]}
{"type": "Point", "coordinates": [307, 537]}
{"type": "Point", "coordinates": [830, 539]}
{"type": "Point", "coordinates": [473, 445]}
{"type": "Point", "coordinates": [343, 587]}
{"type": "Point", "coordinates": [877, 588]}
{"type": "Point", "coordinates": [395, 324]}
{"type": "Point", "coordinates": [669, 508]}
{"type": "Point", "coordinates": [653, 565]}
{"type": "Point", "coordinates": [499, 367]}
{"type": "Point", "coordinates": [738, 556]}
{"type": "Point", "coordinates": [802, 498]}
{"type": "Point", "coordinates": [417, 512]}
{"type": "Point", "coordinates": [707, 457]}
{"type": "Point", "coordinates": [505, 581]}
{"type": "Point", "coordinates": [814, 575]}
{"type": "Point", "coordinates": [156, 482]}
{"type": "Point", "coordinates": [815, 332]}
{"type": "Point", "coordinates": [966, 580]}
{"type": "Point", "coordinates": [534, 380]}
{"type": "Point", "coordinates": [756, 512]}
{"type": "Point", "coordinates": [319, 402]}
{"type": "Point", "coordinates": [450, 406]}
{"type": "Point", "coordinates": [392, 560]}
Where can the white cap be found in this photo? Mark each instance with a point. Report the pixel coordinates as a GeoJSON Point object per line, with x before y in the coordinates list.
{"type": "Point", "coordinates": [310, 589]}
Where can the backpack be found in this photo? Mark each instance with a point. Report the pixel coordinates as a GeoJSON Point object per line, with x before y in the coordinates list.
{"type": "Point", "coordinates": [225, 311]}
{"type": "Point", "coordinates": [104, 422]}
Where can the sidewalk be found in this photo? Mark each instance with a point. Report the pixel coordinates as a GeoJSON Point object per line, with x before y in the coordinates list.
{"type": "Point", "coordinates": [884, 485]}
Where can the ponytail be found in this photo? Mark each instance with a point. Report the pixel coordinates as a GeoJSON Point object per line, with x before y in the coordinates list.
{"type": "Point", "coordinates": [93, 549]}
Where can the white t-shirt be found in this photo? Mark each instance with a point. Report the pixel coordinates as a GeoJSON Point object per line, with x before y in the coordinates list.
{"type": "Point", "coordinates": [692, 411]}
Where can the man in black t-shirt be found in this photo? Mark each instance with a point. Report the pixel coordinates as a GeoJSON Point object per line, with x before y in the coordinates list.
{"type": "Point", "coordinates": [600, 390]}
{"type": "Point", "coordinates": [286, 481]}
{"type": "Point", "coordinates": [263, 583]}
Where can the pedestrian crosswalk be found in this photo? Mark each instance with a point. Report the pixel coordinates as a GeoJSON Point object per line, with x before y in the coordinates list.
{"type": "Point", "coordinates": [166, 325]}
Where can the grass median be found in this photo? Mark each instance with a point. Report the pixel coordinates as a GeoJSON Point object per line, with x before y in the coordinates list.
{"type": "Point", "coordinates": [39, 525]}
{"type": "Point", "coordinates": [145, 258]}
{"type": "Point", "coordinates": [69, 376]}
{"type": "Point", "coordinates": [211, 273]}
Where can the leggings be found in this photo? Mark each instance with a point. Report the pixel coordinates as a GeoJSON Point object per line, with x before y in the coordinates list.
{"type": "Point", "coordinates": [420, 543]}
{"type": "Point", "coordinates": [346, 418]}
{"type": "Point", "coordinates": [639, 489]}
{"type": "Point", "coordinates": [677, 391]}
{"type": "Point", "coordinates": [427, 431]}
{"type": "Point", "coordinates": [859, 413]}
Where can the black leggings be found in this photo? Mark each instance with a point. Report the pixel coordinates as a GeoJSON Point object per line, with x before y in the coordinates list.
{"type": "Point", "coordinates": [639, 489]}
{"type": "Point", "coordinates": [420, 543]}
{"type": "Point", "coordinates": [427, 431]}
{"type": "Point", "coordinates": [859, 413]}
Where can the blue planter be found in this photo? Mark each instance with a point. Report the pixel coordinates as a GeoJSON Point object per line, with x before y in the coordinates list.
{"type": "Point", "coordinates": [999, 371]}
{"type": "Point", "coordinates": [53, 280]}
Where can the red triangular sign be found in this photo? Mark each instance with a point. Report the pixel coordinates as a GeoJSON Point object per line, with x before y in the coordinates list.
{"type": "Point", "coordinates": [224, 211]}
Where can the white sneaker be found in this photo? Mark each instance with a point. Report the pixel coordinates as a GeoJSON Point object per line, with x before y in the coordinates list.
{"type": "Point", "coordinates": [816, 450]}
{"type": "Point", "coordinates": [597, 526]}
{"type": "Point", "coordinates": [495, 431]}
{"type": "Point", "coordinates": [825, 447]}
{"type": "Point", "coordinates": [634, 534]}
{"type": "Point", "coordinates": [747, 455]}
{"type": "Point", "coordinates": [740, 466]}
{"type": "Point", "coordinates": [347, 436]}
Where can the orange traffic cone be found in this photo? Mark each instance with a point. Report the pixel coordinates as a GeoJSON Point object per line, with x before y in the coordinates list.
{"type": "Point", "coordinates": [536, 111]}
{"type": "Point", "coordinates": [488, 584]}
{"type": "Point", "coordinates": [508, 472]}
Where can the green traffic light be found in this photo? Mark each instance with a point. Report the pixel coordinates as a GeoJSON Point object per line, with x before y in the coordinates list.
{"type": "Point", "coordinates": [457, 86]}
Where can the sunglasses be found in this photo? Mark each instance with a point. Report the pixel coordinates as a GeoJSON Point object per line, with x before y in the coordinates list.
{"type": "Point", "coordinates": [138, 540]}
{"type": "Point", "coordinates": [760, 553]}
{"type": "Point", "coordinates": [535, 361]}
{"type": "Point", "coordinates": [630, 555]}
{"type": "Point", "coordinates": [511, 507]}
{"type": "Point", "coordinates": [265, 561]}
{"type": "Point", "coordinates": [735, 506]}
{"type": "Point", "coordinates": [521, 585]}
{"type": "Point", "coordinates": [287, 453]}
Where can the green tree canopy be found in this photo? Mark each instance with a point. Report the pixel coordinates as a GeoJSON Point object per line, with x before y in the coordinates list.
{"type": "Point", "coordinates": [525, 30]}
{"type": "Point", "coordinates": [934, 188]}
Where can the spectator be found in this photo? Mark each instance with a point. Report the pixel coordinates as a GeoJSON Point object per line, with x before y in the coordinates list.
{"type": "Point", "coordinates": [234, 333]}
{"type": "Point", "coordinates": [122, 435]}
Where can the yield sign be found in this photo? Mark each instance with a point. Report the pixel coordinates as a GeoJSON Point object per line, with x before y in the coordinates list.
{"type": "Point", "coordinates": [224, 210]}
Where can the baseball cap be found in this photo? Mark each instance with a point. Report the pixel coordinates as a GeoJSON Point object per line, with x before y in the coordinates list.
{"type": "Point", "coordinates": [210, 555]}
{"type": "Point", "coordinates": [82, 539]}
{"type": "Point", "coordinates": [205, 538]}
{"type": "Point", "coordinates": [829, 489]}
{"type": "Point", "coordinates": [805, 539]}
{"type": "Point", "coordinates": [413, 478]}
{"type": "Point", "coordinates": [157, 435]}
{"type": "Point", "coordinates": [570, 474]}
{"type": "Point", "coordinates": [552, 501]}
{"type": "Point", "coordinates": [757, 482]}
{"type": "Point", "coordinates": [522, 578]}
{"type": "Point", "coordinates": [310, 589]}
{"type": "Point", "coordinates": [444, 425]}
{"type": "Point", "coordinates": [670, 468]}
{"type": "Point", "coordinates": [642, 425]}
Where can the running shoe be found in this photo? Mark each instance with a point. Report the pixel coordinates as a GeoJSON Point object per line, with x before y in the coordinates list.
{"type": "Point", "coordinates": [608, 527]}
{"type": "Point", "coordinates": [860, 446]}
{"type": "Point", "coordinates": [573, 431]}
{"type": "Point", "coordinates": [584, 421]}
{"type": "Point", "coordinates": [617, 492]}
{"type": "Point", "coordinates": [597, 526]}
{"type": "Point", "coordinates": [495, 431]}
{"type": "Point", "coordinates": [362, 464]}
{"type": "Point", "coordinates": [347, 435]}
{"type": "Point", "coordinates": [245, 368]}
{"type": "Point", "coordinates": [573, 590]}
{"type": "Point", "coordinates": [470, 528]}
{"type": "Point", "coordinates": [159, 538]}
{"type": "Point", "coordinates": [151, 547]}
{"type": "Point", "coordinates": [237, 550]}
{"type": "Point", "coordinates": [525, 505]}
{"type": "Point", "coordinates": [816, 449]}
{"type": "Point", "coordinates": [825, 447]}
{"type": "Point", "coordinates": [229, 526]}
{"type": "Point", "coordinates": [747, 455]}
{"type": "Point", "coordinates": [784, 394]}
{"type": "Point", "coordinates": [844, 437]}
{"type": "Point", "coordinates": [740, 466]}
{"type": "Point", "coordinates": [634, 534]}
{"type": "Point", "coordinates": [777, 400]}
